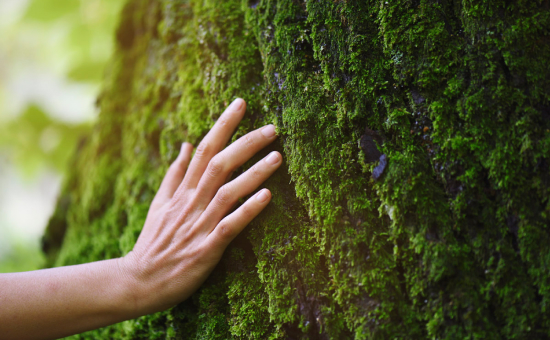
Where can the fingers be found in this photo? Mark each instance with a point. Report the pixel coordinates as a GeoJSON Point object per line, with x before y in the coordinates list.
{"type": "Point", "coordinates": [230, 193]}
{"type": "Point", "coordinates": [214, 142]}
{"type": "Point", "coordinates": [174, 175]}
{"type": "Point", "coordinates": [223, 164]}
{"type": "Point", "coordinates": [235, 222]}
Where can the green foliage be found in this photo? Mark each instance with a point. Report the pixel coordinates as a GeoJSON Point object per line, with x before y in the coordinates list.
{"type": "Point", "coordinates": [34, 141]}
{"type": "Point", "coordinates": [451, 241]}
{"type": "Point", "coordinates": [71, 43]}
{"type": "Point", "coordinates": [84, 30]}
{"type": "Point", "coordinates": [21, 258]}
{"type": "Point", "coordinates": [49, 11]}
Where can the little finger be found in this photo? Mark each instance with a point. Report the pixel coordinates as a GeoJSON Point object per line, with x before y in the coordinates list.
{"type": "Point", "coordinates": [234, 223]}
{"type": "Point", "coordinates": [174, 175]}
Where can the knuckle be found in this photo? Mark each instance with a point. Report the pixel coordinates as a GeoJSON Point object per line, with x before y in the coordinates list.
{"type": "Point", "coordinates": [225, 230]}
{"type": "Point", "coordinates": [202, 150]}
{"type": "Point", "coordinates": [248, 141]}
{"type": "Point", "coordinates": [225, 195]}
{"type": "Point", "coordinates": [255, 171]}
{"type": "Point", "coordinates": [247, 211]}
{"type": "Point", "coordinates": [222, 121]}
{"type": "Point", "coordinates": [216, 166]}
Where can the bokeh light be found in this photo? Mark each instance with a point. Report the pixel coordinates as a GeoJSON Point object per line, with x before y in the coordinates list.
{"type": "Point", "coordinates": [52, 57]}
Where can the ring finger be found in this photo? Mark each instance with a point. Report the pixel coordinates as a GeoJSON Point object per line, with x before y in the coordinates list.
{"type": "Point", "coordinates": [224, 163]}
{"type": "Point", "coordinates": [230, 193]}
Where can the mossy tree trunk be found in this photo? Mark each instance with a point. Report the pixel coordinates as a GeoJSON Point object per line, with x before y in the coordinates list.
{"type": "Point", "coordinates": [414, 198]}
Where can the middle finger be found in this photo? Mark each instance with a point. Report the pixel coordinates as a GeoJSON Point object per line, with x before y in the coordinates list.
{"type": "Point", "coordinates": [230, 159]}
{"type": "Point", "coordinates": [214, 141]}
{"type": "Point", "coordinates": [229, 194]}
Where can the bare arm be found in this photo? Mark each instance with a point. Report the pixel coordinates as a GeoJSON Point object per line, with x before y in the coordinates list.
{"type": "Point", "coordinates": [53, 303]}
{"type": "Point", "coordinates": [183, 238]}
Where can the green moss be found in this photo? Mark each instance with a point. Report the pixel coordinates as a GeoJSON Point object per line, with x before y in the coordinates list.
{"type": "Point", "coordinates": [450, 242]}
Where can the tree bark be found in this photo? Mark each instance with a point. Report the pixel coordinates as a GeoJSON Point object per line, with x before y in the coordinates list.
{"type": "Point", "coordinates": [414, 198]}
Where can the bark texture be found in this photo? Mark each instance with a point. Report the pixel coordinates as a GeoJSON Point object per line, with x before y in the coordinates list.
{"type": "Point", "coordinates": [414, 198]}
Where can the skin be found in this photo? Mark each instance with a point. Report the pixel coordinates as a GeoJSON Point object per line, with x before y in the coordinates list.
{"type": "Point", "coordinates": [185, 234]}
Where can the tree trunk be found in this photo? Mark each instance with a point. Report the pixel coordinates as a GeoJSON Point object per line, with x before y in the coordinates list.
{"type": "Point", "coordinates": [414, 198]}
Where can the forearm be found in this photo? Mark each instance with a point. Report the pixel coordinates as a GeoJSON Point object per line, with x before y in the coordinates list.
{"type": "Point", "coordinates": [64, 301]}
{"type": "Point", "coordinates": [190, 223]}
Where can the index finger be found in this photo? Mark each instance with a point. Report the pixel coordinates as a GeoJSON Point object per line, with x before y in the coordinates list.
{"type": "Point", "coordinates": [214, 141]}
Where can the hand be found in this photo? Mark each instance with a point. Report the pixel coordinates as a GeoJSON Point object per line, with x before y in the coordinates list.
{"type": "Point", "coordinates": [185, 234]}
{"type": "Point", "coordinates": [186, 230]}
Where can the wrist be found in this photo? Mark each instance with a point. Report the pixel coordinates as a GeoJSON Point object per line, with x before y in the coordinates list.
{"type": "Point", "coordinates": [132, 291]}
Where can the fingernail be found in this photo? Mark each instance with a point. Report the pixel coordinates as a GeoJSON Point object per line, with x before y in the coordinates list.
{"type": "Point", "coordinates": [273, 158]}
{"type": "Point", "coordinates": [262, 196]}
{"type": "Point", "coordinates": [237, 104]}
{"type": "Point", "coordinates": [269, 131]}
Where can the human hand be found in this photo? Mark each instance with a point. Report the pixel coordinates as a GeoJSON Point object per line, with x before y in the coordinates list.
{"type": "Point", "coordinates": [184, 236]}
{"type": "Point", "coordinates": [186, 230]}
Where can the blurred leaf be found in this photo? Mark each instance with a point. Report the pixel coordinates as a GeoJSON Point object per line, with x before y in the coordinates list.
{"type": "Point", "coordinates": [87, 72]}
{"type": "Point", "coordinates": [22, 257]}
{"type": "Point", "coordinates": [35, 141]}
{"type": "Point", "coordinates": [70, 41]}
{"type": "Point", "coordinates": [83, 30]}
{"type": "Point", "coordinates": [42, 10]}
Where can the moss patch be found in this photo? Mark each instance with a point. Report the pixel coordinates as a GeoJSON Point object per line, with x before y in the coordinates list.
{"type": "Point", "coordinates": [451, 240]}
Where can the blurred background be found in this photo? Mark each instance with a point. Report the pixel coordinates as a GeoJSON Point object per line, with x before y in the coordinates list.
{"type": "Point", "coordinates": [52, 57]}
